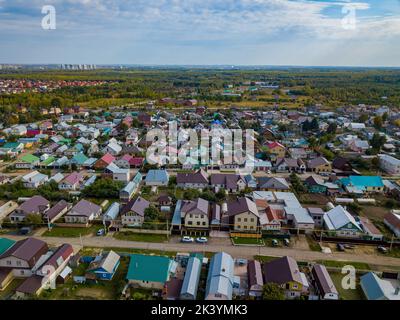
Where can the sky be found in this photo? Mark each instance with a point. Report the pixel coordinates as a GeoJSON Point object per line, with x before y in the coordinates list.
{"type": "Point", "coordinates": [202, 32]}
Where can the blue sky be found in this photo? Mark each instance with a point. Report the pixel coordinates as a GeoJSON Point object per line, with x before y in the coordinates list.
{"type": "Point", "coordinates": [237, 32]}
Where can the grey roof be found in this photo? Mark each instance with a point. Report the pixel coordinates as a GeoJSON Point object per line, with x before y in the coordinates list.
{"type": "Point", "coordinates": [84, 208]}
{"type": "Point", "coordinates": [138, 206]}
{"type": "Point", "coordinates": [220, 275]}
{"type": "Point", "coordinates": [157, 176]}
{"type": "Point", "coordinates": [107, 263]}
{"type": "Point", "coordinates": [112, 212]}
{"type": "Point", "coordinates": [192, 278]}
{"type": "Point", "coordinates": [313, 163]}
{"type": "Point", "coordinates": [339, 217]}
{"type": "Point", "coordinates": [273, 183]}
{"type": "Point", "coordinates": [228, 180]}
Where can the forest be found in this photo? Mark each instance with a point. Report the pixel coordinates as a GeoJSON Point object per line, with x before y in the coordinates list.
{"type": "Point", "coordinates": [331, 87]}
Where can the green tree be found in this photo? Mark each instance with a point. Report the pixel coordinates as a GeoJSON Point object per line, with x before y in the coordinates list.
{"type": "Point", "coordinates": [272, 291]}
{"type": "Point", "coordinates": [378, 122]}
{"type": "Point", "coordinates": [151, 214]}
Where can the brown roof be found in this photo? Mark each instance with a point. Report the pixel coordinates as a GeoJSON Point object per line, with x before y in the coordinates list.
{"type": "Point", "coordinates": [36, 204]}
{"type": "Point", "coordinates": [64, 251]}
{"type": "Point", "coordinates": [197, 177]}
{"type": "Point", "coordinates": [138, 206]}
{"type": "Point", "coordinates": [56, 209]}
{"type": "Point", "coordinates": [254, 273]}
{"type": "Point", "coordinates": [29, 249]}
{"type": "Point", "coordinates": [173, 288]}
{"type": "Point", "coordinates": [281, 271]}
{"type": "Point", "coordinates": [241, 205]}
{"type": "Point", "coordinates": [393, 220]}
{"type": "Point", "coordinates": [323, 280]}
{"type": "Point", "coordinates": [228, 180]}
{"type": "Point", "coordinates": [31, 285]}
{"type": "Point", "coordinates": [314, 163]}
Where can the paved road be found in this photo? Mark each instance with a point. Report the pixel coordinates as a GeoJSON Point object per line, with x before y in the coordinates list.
{"type": "Point", "coordinates": [236, 251]}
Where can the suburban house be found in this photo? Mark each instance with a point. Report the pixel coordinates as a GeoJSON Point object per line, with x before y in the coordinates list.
{"type": "Point", "coordinates": [37, 205]}
{"type": "Point", "coordinates": [34, 179]}
{"type": "Point", "coordinates": [220, 277]}
{"type": "Point", "coordinates": [276, 149]}
{"type": "Point", "coordinates": [83, 212]}
{"type": "Point", "coordinates": [56, 212]}
{"type": "Point", "coordinates": [255, 278]}
{"type": "Point", "coordinates": [192, 278]}
{"type": "Point", "coordinates": [104, 266]}
{"type": "Point", "coordinates": [290, 165]}
{"type": "Point", "coordinates": [71, 182]}
{"type": "Point", "coordinates": [362, 184]}
{"type": "Point", "coordinates": [389, 164]}
{"type": "Point", "coordinates": [341, 223]}
{"type": "Point", "coordinates": [273, 184]}
{"type": "Point", "coordinates": [113, 148]}
{"type": "Point", "coordinates": [157, 178]}
{"type": "Point", "coordinates": [195, 215]}
{"type": "Point", "coordinates": [132, 214]}
{"type": "Point", "coordinates": [27, 161]}
{"type": "Point", "coordinates": [104, 161]}
{"type": "Point", "coordinates": [6, 209]}
{"type": "Point", "coordinates": [196, 180]}
{"type": "Point", "coordinates": [317, 214]}
{"type": "Point", "coordinates": [325, 288]}
{"type": "Point", "coordinates": [375, 288]}
{"type": "Point", "coordinates": [228, 182]}
{"type": "Point", "coordinates": [319, 165]}
{"type": "Point", "coordinates": [316, 184]}
{"type": "Point", "coordinates": [271, 218]}
{"type": "Point", "coordinates": [286, 273]}
{"type": "Point", "coordinates": [130, 189]}
{"type": "Point", "coordinates": [243, 215]}
{"type": "Point", "coordinates": [22, 257]}
{"type": "Point", "coordinates": [118, 174]}
{"type": "Point", "coordinates": [150, 272]}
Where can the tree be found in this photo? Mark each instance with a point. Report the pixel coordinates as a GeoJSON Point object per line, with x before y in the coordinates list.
{"type": "Point", "coordinates": [332, 127]}
{"type": "Point", "coordinates": [35, 219]}
{"type": "Point", "coordinates": [151, 214]}
{"type": "Point", "coordinates": [378, 122]}
{"type": "Point", "coordinates": [271, 291]}
{"type": "Point", "coordinates": [378, 141]}
{"type": "Point", "coordinates": [363, 118]}
{"type": "Point", "coordinates": [103, 188]}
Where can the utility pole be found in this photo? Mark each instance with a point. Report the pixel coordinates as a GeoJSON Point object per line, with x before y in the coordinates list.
{"type": "Point", "coordinates": [391, 242]}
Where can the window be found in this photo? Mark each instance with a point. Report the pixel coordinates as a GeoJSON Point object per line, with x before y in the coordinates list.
{"type": "Point", "coordinates": [19, 263]}
{"type": "Point", "coordinates": [198, 223]}
{"type": "Point", "coordinates": [239, 219]}
{"type": "Point", "coordinates": [245, 219]}
{"type": "Point", "coordinates": [204, 223]}
{"type": "Point", "coordinates": [8, 262]}
{"type": "Point", "coordinates": [190, 223]}
{"type": "Point", "coordinates": [252, 219]}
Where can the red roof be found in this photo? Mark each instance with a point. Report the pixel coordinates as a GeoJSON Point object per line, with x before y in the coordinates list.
{"type": "Point", "coordinates": [136, 161]}
{"type": "Point", "coordinates": [108, 158]}
{"type": "Point", "coordinates": [274, 145]}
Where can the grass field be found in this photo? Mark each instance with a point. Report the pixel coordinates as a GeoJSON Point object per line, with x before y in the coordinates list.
{"type": "Point", "coordinates": [248, 241]}
{"type": "Point", "coordinates": [140, 237]}
{"type": "Point", "coordinates": [341, 264]}
{"type": "Point", "coordinates": [344, 294]}
{"type": "Point", "coordinates": [71, 232]}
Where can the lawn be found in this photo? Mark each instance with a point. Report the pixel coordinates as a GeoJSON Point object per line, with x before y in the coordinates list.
{"type": "Point", "coordinates": [248, 241]}
{"type": "Point", "coordinates": [141, 237]}
{"type": "Point", "coordinates": [344, 294]}
{"type": "Point", "coordinates": [265, 258]}
{"type": "Point", "coordinates": [71, 232]}
{"type": "Point", "coordinates": [312, 244]}
{"type": "Point", "coordinates": [341, 264]}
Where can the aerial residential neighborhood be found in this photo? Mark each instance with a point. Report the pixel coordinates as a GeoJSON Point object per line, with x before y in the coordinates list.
{"type": "Point", "coordinates": [209, 154]}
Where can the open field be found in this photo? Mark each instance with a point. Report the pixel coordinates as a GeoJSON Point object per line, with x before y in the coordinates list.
{"type": "Point", "coordinates": [144, 237]}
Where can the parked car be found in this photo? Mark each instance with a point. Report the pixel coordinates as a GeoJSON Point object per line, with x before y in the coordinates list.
{"type": "Point", "coordinates": [101, 232]}
{"type": "Point", "coordinates": [349, 246]}
{"type": "Point", "coordinates": [25, 231]}
{"type": "Point", "coordinates": [201, 240]}
{"type": "Point", "coordinates": [286, 242]}
{"type": "Point", "coordinates": [340, 247]}
{"type": "Point", "coordinates": [275, 242]}
{"type": "Point", "coordinates": [187, 239]}
{"type": "Point", "coordinates": [382, 249]}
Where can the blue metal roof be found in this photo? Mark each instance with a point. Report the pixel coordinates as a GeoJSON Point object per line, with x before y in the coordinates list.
{"type": "Point", "coordinates": [220, 275]}
{"type": "Point", "coordinates": [192, 278]}
{"type": "Point", "coordinates": [371, 286]}
{"type": "Point", "coordinates": [112, 212]}
{"type": "Point", "coordinates": [157, 176]}
{"type": "Point", "coordinates": [176, 219]}
{"type": "Point", "coordinates": [363, 181]}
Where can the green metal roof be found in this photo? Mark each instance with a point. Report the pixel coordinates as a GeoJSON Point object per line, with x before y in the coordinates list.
{"type": "Point", "coordinates": [5, 244]}
{"type": "Point", "coordinates": [29, 158]}
{"type": "Point", "coordinates": [48, 161]}
{"type": "Point", "coordinates": [149, 268]}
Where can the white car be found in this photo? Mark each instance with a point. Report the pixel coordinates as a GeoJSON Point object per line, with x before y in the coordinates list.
{"type": "Point", "coordinates": [201, 240]}
{"type": "Point", "coordinates": [187, 239]}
